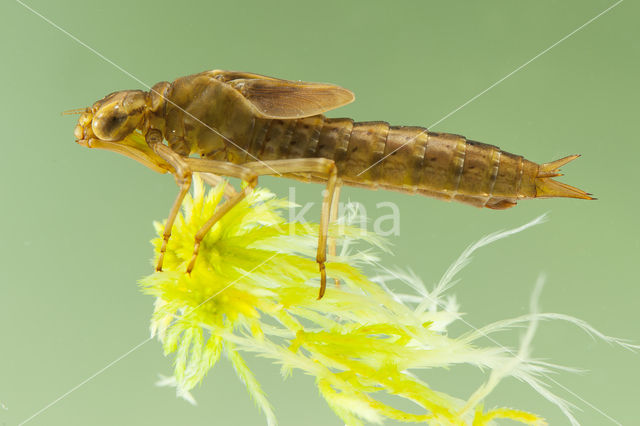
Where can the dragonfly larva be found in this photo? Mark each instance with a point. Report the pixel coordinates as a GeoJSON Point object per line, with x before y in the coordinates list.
{"type": "Point", "coordinates": [245, 125]}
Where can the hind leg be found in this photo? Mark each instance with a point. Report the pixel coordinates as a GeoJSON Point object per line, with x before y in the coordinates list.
{"type": "Point", "coordinates": [333, 215]}
{"type": "Point", "coordinates": [318, 166]}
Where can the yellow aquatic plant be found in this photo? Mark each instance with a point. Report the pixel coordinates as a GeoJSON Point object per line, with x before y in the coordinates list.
{"type": "Point", "coordinates": [254, 289]}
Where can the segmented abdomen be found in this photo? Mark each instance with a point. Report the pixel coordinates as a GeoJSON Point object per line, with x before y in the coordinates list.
{"type": "Point", "coordinates": [401, 158]}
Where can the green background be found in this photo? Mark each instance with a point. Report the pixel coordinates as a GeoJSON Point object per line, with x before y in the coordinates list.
{"type": "Point", "coordinates": [76, 222]}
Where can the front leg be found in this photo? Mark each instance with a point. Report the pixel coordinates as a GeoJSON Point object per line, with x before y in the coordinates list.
{"type": "Point", "coordinates": [182, 173]}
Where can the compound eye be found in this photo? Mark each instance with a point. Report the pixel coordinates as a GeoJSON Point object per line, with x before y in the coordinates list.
{"type": "Point", "coordinates": [111, 123]}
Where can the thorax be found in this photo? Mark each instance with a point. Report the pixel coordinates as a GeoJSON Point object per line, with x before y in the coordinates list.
{"type": "Point", "coordinates": [205, 117]}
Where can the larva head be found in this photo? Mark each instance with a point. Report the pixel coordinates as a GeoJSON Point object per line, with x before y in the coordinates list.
{"type": "Point", "coordinates": [112, 118]}
{"type": "Point", "coordinates": [111, 122]}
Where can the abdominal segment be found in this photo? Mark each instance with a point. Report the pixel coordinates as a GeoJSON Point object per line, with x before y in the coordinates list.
{"type": "Point", "coordinates": [408, 159]}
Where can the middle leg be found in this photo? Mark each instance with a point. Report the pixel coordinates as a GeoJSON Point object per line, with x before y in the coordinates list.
{"type": "Point", "coordinates": [219, 168]}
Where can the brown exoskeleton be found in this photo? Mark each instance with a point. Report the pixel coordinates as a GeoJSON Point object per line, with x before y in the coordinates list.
{"type": "Point", "coordinates": [245, 125]}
